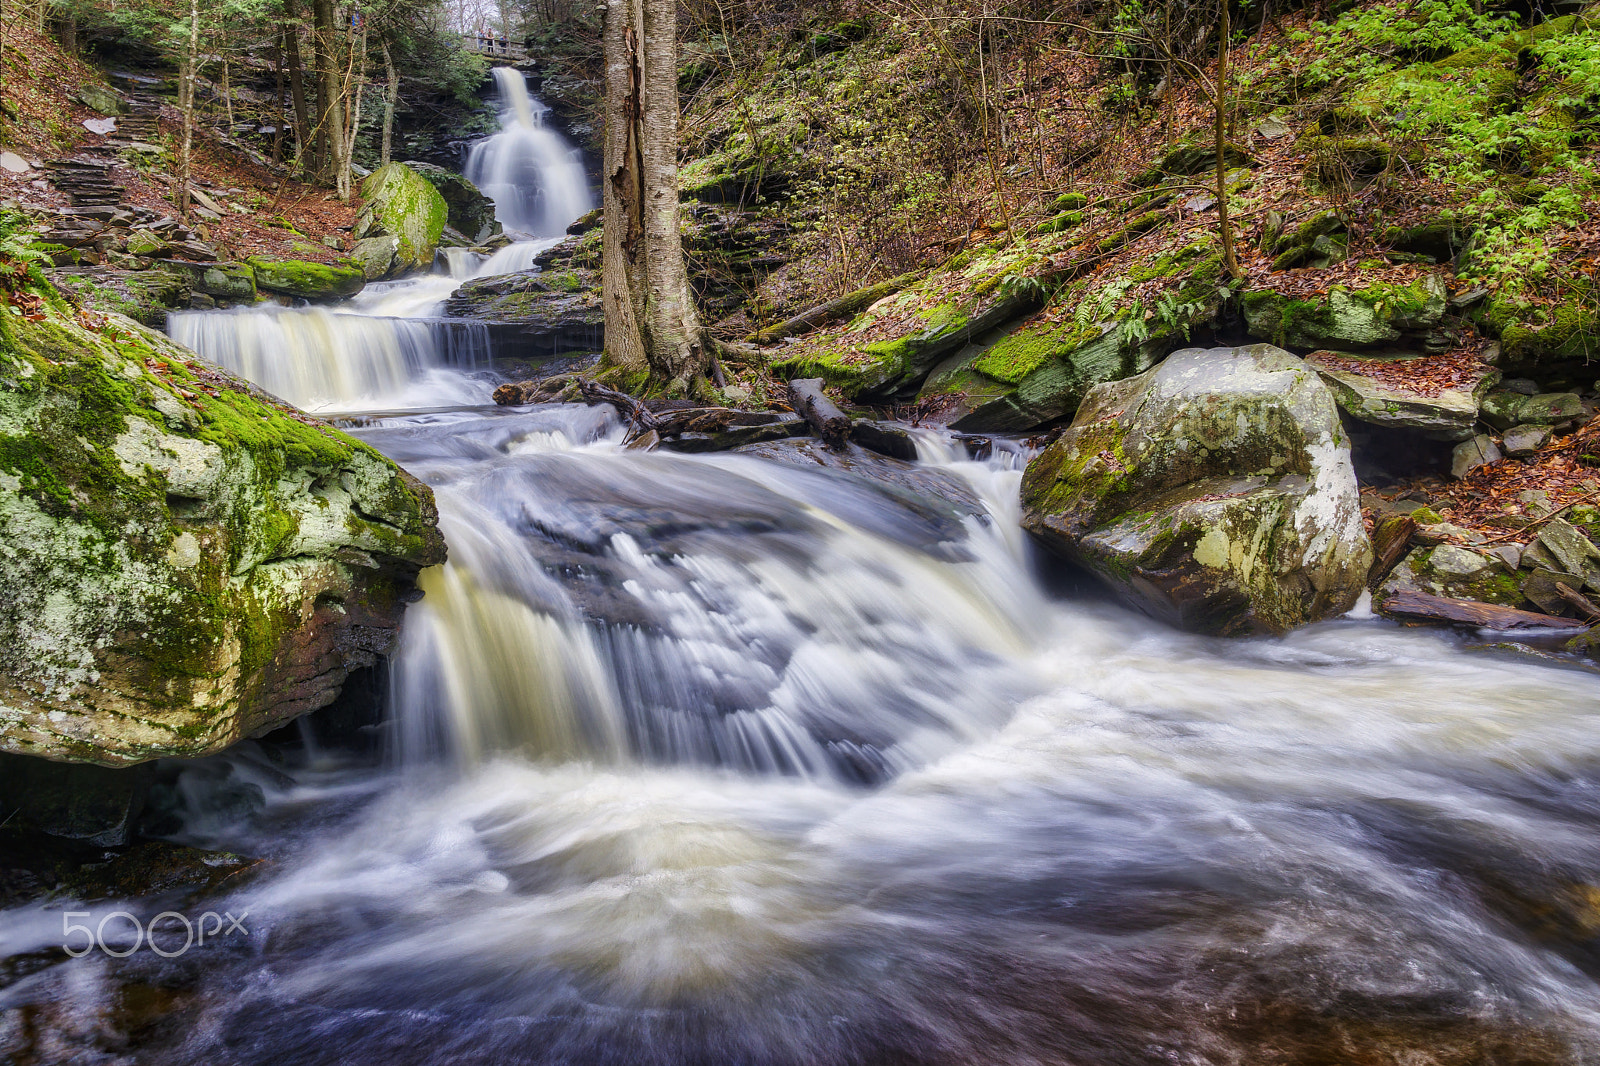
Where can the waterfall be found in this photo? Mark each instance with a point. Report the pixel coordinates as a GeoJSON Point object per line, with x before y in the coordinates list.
{"type": "Point", "coordinates": [535, 178]}
{"type": "Point", "coordinates": [324, 360]}
{"type": "Point", "coordinates": [389, 347]}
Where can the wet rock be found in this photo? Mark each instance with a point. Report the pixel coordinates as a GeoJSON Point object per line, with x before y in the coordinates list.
{"type": "Point", "coordinates": [904, 481]}
{"type": "Point", "coordinates": [1449, 415]}
{"type": "Point", "coordinates": [469, 210]}
{"type": "Point", "coordinates": [535, 313]}
{"type": "Point", "coordinates": [1522, 441]}
{"type": "Point", "coordinates": [1472, 454]}
{"type": "Point", "coordinates": [374, 256]}
{"type": "Point", "coordinates": [692, 441]}
{"type": "Point", "coordinates": [1214, 491]}
{"type": "Point", "coordinates": [401, 204]}
{"type": "Point", "coordinates": [190, 563]}
{"type": "Point", "coordinates": [886, 438]}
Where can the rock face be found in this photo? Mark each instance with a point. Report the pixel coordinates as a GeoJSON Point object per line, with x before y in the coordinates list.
{"type": "Point", "coordinates": [1214, 491]}
{"type": "Point", "coordinates": [401, 204]}
{"type": "Point", "coordinates": [187, 562]}
{"type": "Point", "coordinates": [470, 212]}
{"type": "Point", "coordinates": [1344, 319]}
{"type": "Point", "coordinates": [538, 313]}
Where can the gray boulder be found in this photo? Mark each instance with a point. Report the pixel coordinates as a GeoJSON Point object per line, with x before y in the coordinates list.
{"type": "Point", "coordinates": [1214, 491]}
{"type": "Point", "coordinates": [188, 562]}
{"type": "Point", "coordinates": [1368, 394]}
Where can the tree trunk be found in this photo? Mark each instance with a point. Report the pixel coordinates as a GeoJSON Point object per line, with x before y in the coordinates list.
{"type": "Point", "coordinates": [297, 84]}
{"type": "Point", "coordinates": [1230, 260]}
{"type": "Point", "coordinates": [389, 102]}
{"type": "Point", "coordinates": [330, 101]}
{"type": "Point", "coordinates": [651, 323]}
{"type": "Point", "coordinates": [187, 75]}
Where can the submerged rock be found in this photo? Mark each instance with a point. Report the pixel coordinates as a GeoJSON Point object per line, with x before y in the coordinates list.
{"type": "Point", "coordinates": [1214, 491]}
{"type": "Point", "coordinates": [401, 204]}
{"type": "Point", "coordinates": [188, 562]}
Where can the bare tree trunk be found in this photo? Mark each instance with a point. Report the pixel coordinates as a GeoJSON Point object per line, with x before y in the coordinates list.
{"type": "Point", "coordinates": [353, 83]}
{"type": "Point", "coordinates": [297, 84]}
{"type": "Point", "coordinates": [389, 101]}
{"type": "Point", "coordinates": [1230, 261]}
{"type": "Point", "coordinates": [330, 101]}
{"type": "Point", "coordinates": [651, 322]}
{"type": "Point", "coordinates": [187, 74]}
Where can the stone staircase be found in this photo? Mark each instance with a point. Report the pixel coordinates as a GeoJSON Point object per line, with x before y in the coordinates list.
{"type": "Point", "coordinates": [86, 179]}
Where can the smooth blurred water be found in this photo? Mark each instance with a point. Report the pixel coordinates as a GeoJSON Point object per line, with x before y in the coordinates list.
{"type": "Point", "coordinates": [534, 176]}
{"type": "Point", "coordinates": [719, 760]}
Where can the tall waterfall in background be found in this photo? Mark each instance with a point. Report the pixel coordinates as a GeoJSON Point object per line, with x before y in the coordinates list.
{"type": "Point", "coordinates": [390, 347]}
{"type": "Point", "coordinates": [535, 178]}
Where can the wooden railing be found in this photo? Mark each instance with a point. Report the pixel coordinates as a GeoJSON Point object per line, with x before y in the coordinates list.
{"type": "Point", "coordinates": [491, 45]}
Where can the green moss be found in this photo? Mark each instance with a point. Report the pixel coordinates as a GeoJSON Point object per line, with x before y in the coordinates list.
{"type": "Point", "coordinates": [1533, 335]}
{"type": "Point", "coordinates": [1019, 353]}
{"type": "Point", "coordinates": [1137, 227]}
{"type": "Point", "coordinates": [306, 280]}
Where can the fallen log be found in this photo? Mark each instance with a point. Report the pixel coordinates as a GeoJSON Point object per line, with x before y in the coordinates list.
{"type": "Point", "coordinates": [815, 318]}
{"type": "Point", "coordinates": [813, 404]}
{"type": "Point", "coordinates": [1411, 606]}
{"type": "Point", "coordinates": [1585, 606]}
{"type": "Point", "coordinates": [1389, 543]}
{"type": "Point", "coordinates": [635, 412]}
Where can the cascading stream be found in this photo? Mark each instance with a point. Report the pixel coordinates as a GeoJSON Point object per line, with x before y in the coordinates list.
{"type": "Point", "coordinates": [722, 760]}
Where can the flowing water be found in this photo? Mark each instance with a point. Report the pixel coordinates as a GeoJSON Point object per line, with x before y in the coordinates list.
{"type": "Point", "coordinates": [719, 759]}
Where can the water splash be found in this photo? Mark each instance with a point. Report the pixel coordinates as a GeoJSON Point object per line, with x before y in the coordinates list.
{"type": "Point", "coordinates": [535, 178]}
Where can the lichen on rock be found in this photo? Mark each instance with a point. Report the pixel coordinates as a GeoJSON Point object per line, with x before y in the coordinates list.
{"type": "Point", "coordinates": [1214, 491]}
{"type": "Point", "coordinates": [184, 561]}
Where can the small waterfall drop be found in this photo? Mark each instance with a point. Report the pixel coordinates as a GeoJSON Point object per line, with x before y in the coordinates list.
{"type": "Point", "coordinates": [535, 178]}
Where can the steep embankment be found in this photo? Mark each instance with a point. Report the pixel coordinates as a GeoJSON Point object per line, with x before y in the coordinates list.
{"type": "Point", "coordinates": [1411, 190]}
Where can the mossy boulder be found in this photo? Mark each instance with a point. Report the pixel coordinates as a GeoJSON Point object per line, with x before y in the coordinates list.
{"type": "Point", "coordinates": [374, 256]}
{"type": "Point", "coordinates": [1344, 318]}
{"type": "Point", "coordinates": [306, 280]}
{"type": "Point", "coordinates": [1214, 491]}
{"type": "Point", "coordinates": [188, 562]}
{"type": "Point", "coordinates": [1535, 337]}
{"type": "Point", "coordinates": [1456, 572]}
{"type": "Point", "coordinates": [234, 282]}
{"type": "Point", "coordinates": [469, 210]}
{"type": "Point", "coordinates": [1197, 153]}
{"type": "Point", "coordinates": [402, 204]}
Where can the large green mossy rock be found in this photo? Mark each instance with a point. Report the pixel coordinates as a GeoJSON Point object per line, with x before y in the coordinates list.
{"type": "Point", "coordinates": [1214, 491]}
{"type": "Point", "coordinates": [403, 205]}
{"type": "Point", "coordinates": [470, 211]}
{"type": "Point", "coordinates": [1539, 339]}
{"type": "Point", "coordinates": [1346, 318]}
{"type": "Point", "coordinates": [186, 561]}
{"type": "Point", "coordinates": [307, 281]}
